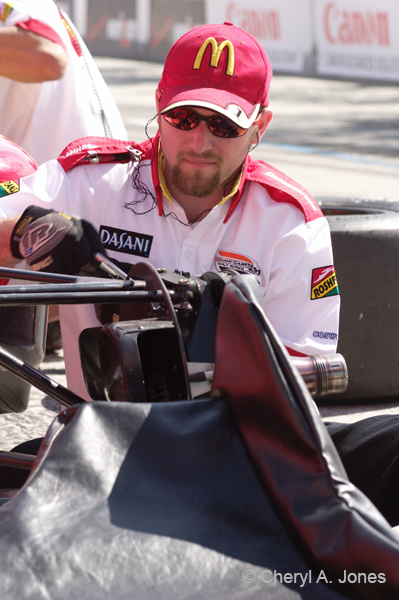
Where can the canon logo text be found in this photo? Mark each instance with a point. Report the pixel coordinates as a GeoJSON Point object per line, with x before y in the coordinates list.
{"type": "Point", "coordinates": [262, 24]}
{"type": "Point", "coordinates": [358, 28]}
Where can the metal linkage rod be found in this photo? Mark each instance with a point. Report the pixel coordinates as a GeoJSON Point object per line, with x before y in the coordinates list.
{"type": "Point", "coordinates": [16, 460]}
{"type": "Point", "coordinates": [25, 275]}
{"type": "Point", "coordinates": [43, 383]}
{"type": "Point", "coordinates": [100, 286]}
{"type": "Point", "coordinates": [90, 298]}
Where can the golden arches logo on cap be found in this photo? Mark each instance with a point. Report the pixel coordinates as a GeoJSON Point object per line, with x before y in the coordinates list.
{"type": "Point", "coordinates": [217, 50]}
{"type": "Point", "coordinates": [219, 67]}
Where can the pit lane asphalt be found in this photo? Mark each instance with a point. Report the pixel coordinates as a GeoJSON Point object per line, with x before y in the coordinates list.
{"type": "Point", "coordinates": [337, 138]}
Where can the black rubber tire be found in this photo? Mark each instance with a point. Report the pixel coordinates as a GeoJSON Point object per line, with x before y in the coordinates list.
{"type": "Point", "coordinates": [23, 333]}
{"type": "Point", "coordinates": [365, 240]}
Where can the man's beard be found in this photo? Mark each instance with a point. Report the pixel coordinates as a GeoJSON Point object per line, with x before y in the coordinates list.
{"type": "Point", "coordinates": [195, 184]}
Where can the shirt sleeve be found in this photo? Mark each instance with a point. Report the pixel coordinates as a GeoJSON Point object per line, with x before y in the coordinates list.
{"type": "Point", "coordinates": [32, 15]}
{"type": "Point", "coordinates": [47, 187]}
{"type": "Point", "coordinates": [302, 297]}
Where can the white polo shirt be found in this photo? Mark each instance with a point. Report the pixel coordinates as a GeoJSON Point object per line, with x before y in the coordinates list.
{"type": "Point", "coordinates": [271, 228]}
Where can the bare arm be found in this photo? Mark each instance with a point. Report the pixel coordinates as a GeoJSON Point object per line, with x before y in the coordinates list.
{"type": "Point", "coordinates": [6, 227]}
{"type": "Point", "coordinates": [29, 57]}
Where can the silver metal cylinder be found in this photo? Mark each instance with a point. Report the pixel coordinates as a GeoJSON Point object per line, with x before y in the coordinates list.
{"type": "Point", "coordinates": [323, 374]}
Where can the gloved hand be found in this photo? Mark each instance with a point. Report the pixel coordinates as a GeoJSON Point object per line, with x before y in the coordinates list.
{"type": "Point", "coordinates": [54, 241]}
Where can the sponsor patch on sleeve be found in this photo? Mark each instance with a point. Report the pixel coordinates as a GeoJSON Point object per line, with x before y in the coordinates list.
{"type": "Point", "coordinates": [9, 187]}
{"type": "Point", "coordinates": [5, 12]}
{"type": "Point", "coordinates": [324, 283]}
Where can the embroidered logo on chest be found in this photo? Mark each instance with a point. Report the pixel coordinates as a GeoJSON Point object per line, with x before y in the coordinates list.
{"type": "Point", "coordinates": [128, 242]}
{"type": "Point", "coordinates": [225, 260]}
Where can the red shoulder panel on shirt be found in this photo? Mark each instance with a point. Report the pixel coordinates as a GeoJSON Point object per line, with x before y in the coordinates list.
{"type": "Point", "coordinates": [99, 150]}
{"type": "Point", "coordinates": [281, 188]}
{"type": "Point", "coordinates": [42, 29]}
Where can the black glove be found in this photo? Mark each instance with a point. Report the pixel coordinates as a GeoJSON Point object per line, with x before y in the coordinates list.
{"type": "Point", "coordinates": [54, 241]}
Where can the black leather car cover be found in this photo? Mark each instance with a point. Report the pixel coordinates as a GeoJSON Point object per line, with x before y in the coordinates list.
{"type": "Point", "coordinates": [241, 496]}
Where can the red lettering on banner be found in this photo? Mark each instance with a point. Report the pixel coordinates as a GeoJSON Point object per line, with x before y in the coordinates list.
{"type": "Point", "coordinates": [356, 27]}
{"type": "Point", "coordinates": [158, 36]}
{"type": "Point", "coordinates": [94, 30]}
{"type": "Point", "coordinates": [329, 8]}
{"type": "Point", "coordinates": [124, 40]}
{"type": "Point", "coordinates": [261, 24]}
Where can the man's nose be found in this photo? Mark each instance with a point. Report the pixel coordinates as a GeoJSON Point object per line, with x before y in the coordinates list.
{"type": "Point", "coordinates": [200, 138]}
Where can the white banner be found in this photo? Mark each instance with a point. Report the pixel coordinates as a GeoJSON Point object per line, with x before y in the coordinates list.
{"type": "Point", "coordinates": [358, 38]}
{"type": "Point", "coordinates": [282, 27]}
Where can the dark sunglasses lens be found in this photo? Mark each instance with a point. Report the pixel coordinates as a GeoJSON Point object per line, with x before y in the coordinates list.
{"type": "Point", "coordinates": [182, 119]}
{"type": "Point", "coordinates": [187, 119]}
{"type": "Point", "coordinates": [222, 127]}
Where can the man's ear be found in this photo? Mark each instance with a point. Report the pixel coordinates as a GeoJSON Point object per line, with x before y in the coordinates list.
{"type": "Point", "coordinates": [158, 95]}
{"type": "Point", "coordinates": [263, 121]}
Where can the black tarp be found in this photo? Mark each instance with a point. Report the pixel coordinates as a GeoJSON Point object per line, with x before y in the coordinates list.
{"type": "Point", "coordinates": [231, 497]}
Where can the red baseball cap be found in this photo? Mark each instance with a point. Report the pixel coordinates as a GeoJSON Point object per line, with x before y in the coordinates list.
{"type": "Point", "coordinates": [219, 67]}
{"type": "Point", "coordinates": [14, 162]}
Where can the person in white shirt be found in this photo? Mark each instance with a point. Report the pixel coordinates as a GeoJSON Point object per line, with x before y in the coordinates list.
{"type": "Point", "coordinates": [192, 199]}
{"type": "Point", "coordinates": [51, 91]}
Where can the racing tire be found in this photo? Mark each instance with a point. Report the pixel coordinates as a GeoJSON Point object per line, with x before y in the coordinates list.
{"type": "Point", "coordinates": [23, 333]}
{"type": "Point", "coordinates": [365, 240]}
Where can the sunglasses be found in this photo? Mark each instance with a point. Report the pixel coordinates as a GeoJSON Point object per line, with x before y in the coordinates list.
{"type": "Point", "coordinates": [186, 119]}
